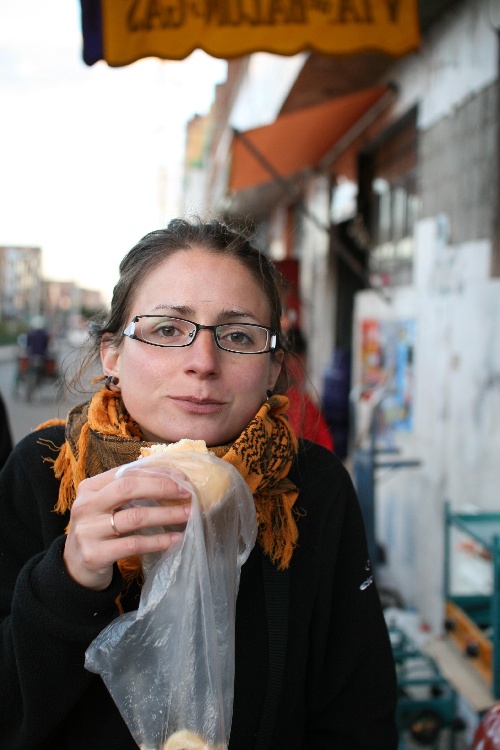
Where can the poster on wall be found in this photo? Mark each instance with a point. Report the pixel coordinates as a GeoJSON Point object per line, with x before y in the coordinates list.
{"type": "Point", "coordinates": [387, 350]}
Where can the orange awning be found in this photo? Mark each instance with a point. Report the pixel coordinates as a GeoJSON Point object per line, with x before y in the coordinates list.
{"type": "Point", "coordinates": [296, 141]}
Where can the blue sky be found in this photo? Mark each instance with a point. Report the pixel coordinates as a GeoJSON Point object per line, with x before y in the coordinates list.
{"type": "Point", "coordinates": [85, 152]}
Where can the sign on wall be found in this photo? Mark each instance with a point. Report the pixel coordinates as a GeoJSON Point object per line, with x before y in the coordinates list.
{"type": "Point", "coordinates": [387, 352]}
{"type": "Point", "coordinates": [125, 31]}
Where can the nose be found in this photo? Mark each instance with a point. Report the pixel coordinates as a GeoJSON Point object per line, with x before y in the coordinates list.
{"type": "Point", "coordinates": [202, 356]}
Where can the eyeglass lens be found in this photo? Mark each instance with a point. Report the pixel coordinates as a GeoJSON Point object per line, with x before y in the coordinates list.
{"type": "Point", "coordinates": [166, 331]}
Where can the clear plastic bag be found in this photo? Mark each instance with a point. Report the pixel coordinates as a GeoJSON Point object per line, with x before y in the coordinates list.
{"type": "Point", "coordinates": [169, 666]}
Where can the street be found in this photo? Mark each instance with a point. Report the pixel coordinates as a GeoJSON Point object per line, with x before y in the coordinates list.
{"type": "Point", "coordinates": [47, 403]}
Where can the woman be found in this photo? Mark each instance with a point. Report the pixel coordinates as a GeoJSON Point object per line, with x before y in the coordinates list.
{"type": "Point", "coordinates": [313, 661]}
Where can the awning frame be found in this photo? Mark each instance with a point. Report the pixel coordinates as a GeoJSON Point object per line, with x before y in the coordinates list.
{"type": "Point", "coordinates": [287, 184]}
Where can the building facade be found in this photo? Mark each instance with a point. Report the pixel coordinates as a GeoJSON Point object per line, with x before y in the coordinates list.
{"type": "Point", "coordinates": [380, 178]}
{"type": "Point", "coordinates": [25, 293]}
{"type": "Point", "coordinates": [20, 284]}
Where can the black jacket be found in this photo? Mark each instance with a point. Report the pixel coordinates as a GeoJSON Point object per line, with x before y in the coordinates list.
{"type": "Point", "coordinates": [5, 433]}
{"type": "Point", "coordinates": [338, 687]}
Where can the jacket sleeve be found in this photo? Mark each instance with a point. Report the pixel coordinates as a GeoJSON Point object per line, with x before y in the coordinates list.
{"type": "Point", "coordinates": [353, 699]}
{"type": "Point", "coordinates": [46, 620]}
{"type": "Point", "coordinates": [5, 434]}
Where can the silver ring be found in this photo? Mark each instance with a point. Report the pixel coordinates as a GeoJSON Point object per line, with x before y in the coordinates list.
{"type": "Point", "coordinates": [115, 530]}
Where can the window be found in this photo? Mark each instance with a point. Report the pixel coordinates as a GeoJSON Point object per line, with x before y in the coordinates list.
{"type": "Point", "coordinates": [389, 202]}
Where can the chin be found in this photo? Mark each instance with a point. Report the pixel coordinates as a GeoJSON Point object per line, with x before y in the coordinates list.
{"type": "Point", "coordinates": [197, 429]}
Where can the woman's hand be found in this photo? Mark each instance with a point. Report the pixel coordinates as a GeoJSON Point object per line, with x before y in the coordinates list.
{"type": "Point", "coordinates": [93, 544]}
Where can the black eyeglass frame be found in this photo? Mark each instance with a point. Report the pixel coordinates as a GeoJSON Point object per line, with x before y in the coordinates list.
{"type": "Point", "coordinates": [272, 337]}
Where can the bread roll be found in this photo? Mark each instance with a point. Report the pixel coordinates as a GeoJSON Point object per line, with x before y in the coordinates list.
{"type": "Point", "coordinates": [211, 478]}
{"type": "Point", "coordinates": [184, 740]}
{"type": "Point", "coordinates": [198, 446]}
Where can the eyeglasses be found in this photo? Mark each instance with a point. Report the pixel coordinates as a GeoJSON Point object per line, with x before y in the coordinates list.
{"type": "Point", "coordinates": [240, 338]}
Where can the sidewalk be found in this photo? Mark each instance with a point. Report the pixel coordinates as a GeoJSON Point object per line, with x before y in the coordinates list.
{"type": "Point", "coordinates": [8, 352]}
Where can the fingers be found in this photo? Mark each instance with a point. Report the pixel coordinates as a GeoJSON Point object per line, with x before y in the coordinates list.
{"type": "Point", "coordinates": [108, 493]}
{"type": "Point", "coordinates": [101, 480]}
{"type": "Point", "coordinates": [89, 560]}
{"type": "Point", "coordinates": [129, 520]}
{"type": "Point", "coordinates": [94, 543]}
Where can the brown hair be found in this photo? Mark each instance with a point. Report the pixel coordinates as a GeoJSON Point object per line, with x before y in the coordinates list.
{"type": "Point", "coordinates": [155, 247]}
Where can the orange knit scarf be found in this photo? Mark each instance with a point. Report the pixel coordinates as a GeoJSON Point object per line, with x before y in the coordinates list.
{"type": "Point", "coordinates": [101, 434]}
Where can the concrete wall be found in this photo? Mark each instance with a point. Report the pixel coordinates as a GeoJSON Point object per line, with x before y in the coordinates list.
{"type": "Point", "coordinates": [456, 401]}
{"type": "Point", "coordinates": [317, 281]}
{"type": "Point", "coordinates": [454, 302]}
{"type": "Point", "coordinates": [457, 59]}
{"type": "Point", "coordinates": [459, 167]}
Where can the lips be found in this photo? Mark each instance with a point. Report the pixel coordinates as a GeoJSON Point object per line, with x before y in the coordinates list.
{"type": "Point", "coordinates": [195, 405]}
{"type": "Point", "coordinates": [195, 400]}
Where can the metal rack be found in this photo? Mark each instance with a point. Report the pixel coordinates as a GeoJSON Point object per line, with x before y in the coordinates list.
{"type": "Point", "coordinates": [473, 620]}
{"type": "Point", "coordinates": [366, 462]}
{"type": "Point", "coordinates": [426, 712]}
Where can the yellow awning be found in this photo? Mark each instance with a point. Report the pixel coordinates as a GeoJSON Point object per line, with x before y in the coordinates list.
{"type": "Point", "coordinates": [172, 29]}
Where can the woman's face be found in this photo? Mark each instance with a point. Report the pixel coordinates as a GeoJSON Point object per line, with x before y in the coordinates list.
{"type": "Point", "coordinates": [199, 391]}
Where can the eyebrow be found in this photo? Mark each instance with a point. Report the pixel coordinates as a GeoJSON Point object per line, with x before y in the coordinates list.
{"type": "Point", "coordinates": [225, 314]}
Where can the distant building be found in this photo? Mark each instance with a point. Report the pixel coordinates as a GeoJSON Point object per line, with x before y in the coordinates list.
{"type": "Point", "coordinates": [64, 301]}
{"type": "Point", "coordinates": [20, 282]}
{"type": "Point", "coordinates": [91, 299]}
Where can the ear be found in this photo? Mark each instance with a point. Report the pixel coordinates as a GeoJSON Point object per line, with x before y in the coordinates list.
{"type": "Point", "coordinates": [275, 368]}
{"type": "Point", "coordinates": [110, 357]}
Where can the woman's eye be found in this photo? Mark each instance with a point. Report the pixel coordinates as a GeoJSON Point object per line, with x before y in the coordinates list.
{"type": "Point", "coordinates": [164, 331]}
{"type": "Point", "coordinates": [238, 337]}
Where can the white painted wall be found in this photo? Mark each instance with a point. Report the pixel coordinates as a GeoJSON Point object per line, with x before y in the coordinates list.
{"type": "Point", "coordinates": [456, 60]}
{"type": "Point", "coordinates": [456, 407]}
{"type": "Point", "coordinates": [194, 192]}
{"type": "Point", "coordinates": [267, 84]}
{"type": "Point", "coordinates": [457, 351]}
{"type": "Point", "coordinates": [317, 282]}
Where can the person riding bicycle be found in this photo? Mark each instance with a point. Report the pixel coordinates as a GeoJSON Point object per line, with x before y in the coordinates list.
{"type": "Point", "coordinates": [37, 341]}
{"type": "Point", "coordinates": [37, 346]}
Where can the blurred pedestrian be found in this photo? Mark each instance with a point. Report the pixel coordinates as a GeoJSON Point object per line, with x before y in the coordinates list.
{"type": "Point", "coordinates": [37, 349]}
{"type": "Point", "coordinates": [37, 340]}
{"type": "Point", "coordinates": [304, 414]}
